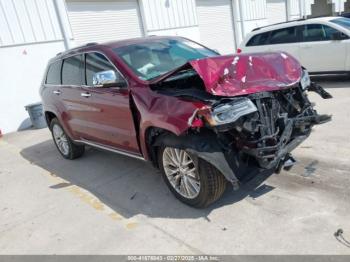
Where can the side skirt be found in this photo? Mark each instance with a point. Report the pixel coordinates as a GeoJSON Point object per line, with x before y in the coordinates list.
{"type": "Point", "coordinates": [111, 149]}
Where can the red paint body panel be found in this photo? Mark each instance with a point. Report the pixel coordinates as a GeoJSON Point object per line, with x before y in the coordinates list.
{"type": "Point", "coordinates": [107, 115]}
{"type": "Point", "coordinates": [244, 74]}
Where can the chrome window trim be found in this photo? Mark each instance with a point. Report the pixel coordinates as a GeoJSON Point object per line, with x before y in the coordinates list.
{"type": "Point", "coordinates": [83, 53]}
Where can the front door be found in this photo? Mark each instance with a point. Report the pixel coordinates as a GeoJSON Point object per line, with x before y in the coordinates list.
{"type": "Point", "coordinates": [318, 52]}
{"type": "Point", "coordinates": [110, 117]}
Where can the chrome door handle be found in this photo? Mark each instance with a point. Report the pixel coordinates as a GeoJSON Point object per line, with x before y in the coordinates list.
{"type": "Point", "coordinates": [85, 94]}
{"type": "Point", "coordinates": [57, 92]}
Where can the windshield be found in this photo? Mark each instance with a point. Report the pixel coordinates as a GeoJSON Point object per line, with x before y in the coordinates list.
{"type": "Point", "coordinates": [344, 22]}
{"type": "Point", "coordinates": [149, 60]}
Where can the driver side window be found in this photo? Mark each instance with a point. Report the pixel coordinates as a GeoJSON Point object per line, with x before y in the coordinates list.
{"type": "Point", "coordinates": [96, 63]}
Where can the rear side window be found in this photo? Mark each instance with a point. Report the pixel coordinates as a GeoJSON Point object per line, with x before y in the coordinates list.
{"type": "Point", "coordinates": [260, 39]}
{"type": "Point", "coordinates": [54, 74]}
{"type": "Point", "coordinates": [96, 62]}
{"type": "Point", "coordinates": [284, 36]}
{"type": "Point", "coordinates": [318, 32]}
{"type": "Point", "coordinates": [73, 71]}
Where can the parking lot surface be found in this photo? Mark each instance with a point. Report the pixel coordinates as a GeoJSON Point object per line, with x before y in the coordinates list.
{"type": "Point", "coordinates": [105, 203]}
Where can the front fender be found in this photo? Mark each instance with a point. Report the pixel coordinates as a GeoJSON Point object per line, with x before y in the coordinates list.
{"type": "Point", "coordinates": [160, 111]}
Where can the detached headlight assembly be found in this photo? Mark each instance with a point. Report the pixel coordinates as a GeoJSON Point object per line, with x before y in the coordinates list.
{"type": "Point", "coordinates": [230, 112]}
{"type": "Point", "coordinates": [305, 80]}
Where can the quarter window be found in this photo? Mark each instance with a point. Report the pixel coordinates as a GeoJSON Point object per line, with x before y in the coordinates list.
{"type": "Point", "coordinates": [96, 62]}
{"type": "Point", "coordinates": [285, 35]}
{"type": "Point", "coordinates": [260, 39]}
{"type": "Point", "coordinates": [54, 74]}
{"type": "Point", "coordinates": [73, 71]}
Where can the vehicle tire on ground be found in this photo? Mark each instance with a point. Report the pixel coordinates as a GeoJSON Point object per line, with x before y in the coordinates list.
{"type": "Point", "coordinates": [64, 144]}
{"type": "Point", "coordinates": [191, 179]}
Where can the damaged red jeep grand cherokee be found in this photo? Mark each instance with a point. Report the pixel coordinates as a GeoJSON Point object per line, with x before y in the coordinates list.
{"type": "Point", "coordinates": [202, 118]}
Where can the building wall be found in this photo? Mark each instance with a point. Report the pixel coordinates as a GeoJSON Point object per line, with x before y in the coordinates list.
{"type": "Point", "coordinates": [339, 5]}
{"type": "Point", "coordinates": [104, 21]}
{"type": "Point", "coordinates": [21, 76]}
{"type": "Point", "coordinates": [30, 34]}
{"type": "Point", "coordinates": [253, 13]}
{"type": "Point", "coordinates": [294, 9]}
{"type": "Point", "coordinates": [321, 8]}
{"type": "Point", "coordinates": [347, 6]}
{"type": "Point", "coordinates": [170, 17]}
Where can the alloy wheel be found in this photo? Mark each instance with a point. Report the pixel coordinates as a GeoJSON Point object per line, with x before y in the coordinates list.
{"type": "Point", "coordinates": [180, 170]}
{"type": "Point", "coordinates": [60, 139]}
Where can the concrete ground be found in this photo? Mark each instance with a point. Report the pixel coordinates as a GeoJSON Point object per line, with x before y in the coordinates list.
{"type": "Point", "coordinates": [104, 203]}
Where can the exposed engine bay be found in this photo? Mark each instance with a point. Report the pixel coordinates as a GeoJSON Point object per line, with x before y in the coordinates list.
{"type": "Point", "coordinates": [262, 127]}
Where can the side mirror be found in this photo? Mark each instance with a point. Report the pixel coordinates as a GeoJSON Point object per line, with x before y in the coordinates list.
{"type": "Point", "coordinates": [338, 36]}
{"type": "Point", "coordinates": [107, 79]}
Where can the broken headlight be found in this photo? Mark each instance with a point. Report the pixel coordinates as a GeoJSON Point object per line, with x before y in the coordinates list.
{"type": "Point", "coordinates": [305, 80]}
{"type": "Point", "coordinates": [230, 112]}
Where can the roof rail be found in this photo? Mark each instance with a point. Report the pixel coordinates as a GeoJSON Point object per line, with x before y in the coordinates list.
{"type": "Point", "coordinates": [281, 23]}
{"type": "Point", "coordinates": [90, 44]}
{"type": "Point", "coordinates": [77, 47]}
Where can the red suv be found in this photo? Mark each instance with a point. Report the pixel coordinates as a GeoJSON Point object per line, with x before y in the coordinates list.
{"type": "Point", "coordinates": [201, 118]}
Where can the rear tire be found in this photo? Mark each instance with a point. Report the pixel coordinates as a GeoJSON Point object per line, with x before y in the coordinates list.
{"type": "Point", "coordinates": [212, 183]}
{"type": "Point", "coordinates": [64, 144]}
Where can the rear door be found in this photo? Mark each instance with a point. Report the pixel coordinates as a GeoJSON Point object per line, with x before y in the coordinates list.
{"type": "Point", "coordinates": [258, 43]}
{"type": "Point", "coordinates": [285, 39]}
{"type": "Point", "coordinates": [318, 52]}
{"type": "Point", "coordinates": [110, 117]}
{"type": "Point", "coordinates": [75, 109]}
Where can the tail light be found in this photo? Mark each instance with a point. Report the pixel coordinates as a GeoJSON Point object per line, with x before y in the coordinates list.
{"type": "Point", "coordinates": [239, 50]}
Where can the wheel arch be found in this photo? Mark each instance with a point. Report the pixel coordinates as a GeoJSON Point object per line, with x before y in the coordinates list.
{"type": "Point", "coordinates": [150, 136]}
{"type": "Point", "coordinates": [49, 116]}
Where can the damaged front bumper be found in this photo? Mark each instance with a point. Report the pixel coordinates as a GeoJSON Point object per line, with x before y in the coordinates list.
{"type": "Point", "coordinates": [265, 137]}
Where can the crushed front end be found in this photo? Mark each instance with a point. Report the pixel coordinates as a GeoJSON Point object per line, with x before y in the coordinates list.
{"type": "Point", "coordinates": [256, 110]}
{"type": "Point", "coordinates": [265, 126]}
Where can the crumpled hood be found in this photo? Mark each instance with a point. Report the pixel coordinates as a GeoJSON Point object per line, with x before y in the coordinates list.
{"type": "Point", "coordinates": [242, 74]}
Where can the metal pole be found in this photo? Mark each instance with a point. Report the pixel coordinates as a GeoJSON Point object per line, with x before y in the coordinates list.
{"type": "Point", "coordinates": [234, 23]}
{"type": "Point", "coordinates": [64, 31]}
{"type": "Point", "coordinates": [241, 17]}
{"type": "Point", "coordinates": [300, 9]}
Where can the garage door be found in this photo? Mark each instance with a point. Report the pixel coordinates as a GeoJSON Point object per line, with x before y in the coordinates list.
{"type": "Point", "coordinates": [104, 21]}
{"type": "Point", "coordinates": [215, 25]}
{"type": "Point", "coordinates": [276, 11]}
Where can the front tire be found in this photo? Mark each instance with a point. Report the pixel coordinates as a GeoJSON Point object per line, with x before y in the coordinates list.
{"type": "Point", "coordinates": [64, 144]}
{"type": "Point", "coordinates": [191, 179]}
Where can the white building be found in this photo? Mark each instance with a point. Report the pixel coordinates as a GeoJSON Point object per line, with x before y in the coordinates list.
{"type": "Point", "coordinates": [32, 31]}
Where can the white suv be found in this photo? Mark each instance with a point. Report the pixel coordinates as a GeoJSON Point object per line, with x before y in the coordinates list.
{"type": "Point", "coordinates": [322, 45]}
